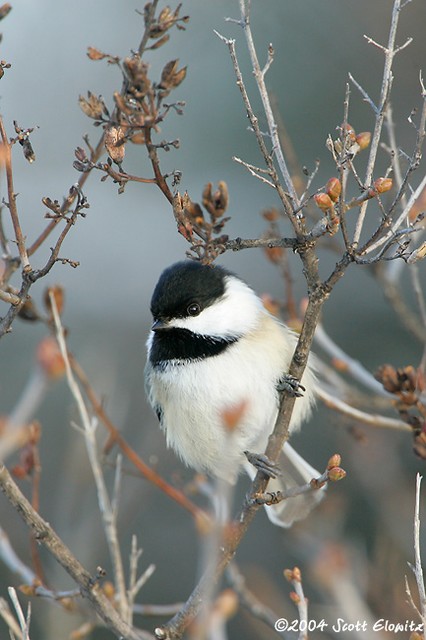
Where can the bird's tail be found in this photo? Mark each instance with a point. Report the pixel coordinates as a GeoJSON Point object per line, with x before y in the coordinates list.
{"type": "Point", "coordinates": [295, 471]}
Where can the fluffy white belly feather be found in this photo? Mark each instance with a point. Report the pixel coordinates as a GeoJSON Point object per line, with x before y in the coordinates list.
{"type": "Point", "coordinates": [193, 397]}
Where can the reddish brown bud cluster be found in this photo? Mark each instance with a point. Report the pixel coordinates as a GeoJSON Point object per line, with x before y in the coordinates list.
{"type": "Point", "coordinates": [334, 470]}
{"type": "Point", "coordinates": [402, 382]}
{"type": "Point", "coordinates": [28, 457]}
{"type": "Point", "coordinates": [333, 189]}
{"type": "Point", "coordinates": [203, 234]}
{"type": "Point", "coordinates": [165, 21]}
{"type": "Point", "coordinates": [352, 141]}
{"type": "Point", "coordinates": [326, 202]}
{"type": "Point", "coordinates": [408, 385]}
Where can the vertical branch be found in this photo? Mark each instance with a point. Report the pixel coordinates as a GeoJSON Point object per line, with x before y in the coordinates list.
{"type": "Point", "coordinates": [259, 75]}
{"type": "Point", "coordinates": [20, 240]}
{"type": "Point", "coordinates": [24, 621]}
{"type": "Point", "coordinates": [108, 510]}
{"type": "Point", "coordinates": [49, 538]}
{"type": "Point", "coordinates": [380, 113]}
{"type": "Point", "coordinates": [418, 571]}
{"type": "Point", "coordinates": [287, 204]}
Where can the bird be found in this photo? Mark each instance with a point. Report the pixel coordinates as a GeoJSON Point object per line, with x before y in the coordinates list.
{"type": "Point", "coordinates": [214, 349]}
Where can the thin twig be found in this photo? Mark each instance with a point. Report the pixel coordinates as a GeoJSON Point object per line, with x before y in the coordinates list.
{"type": "Point", "coordinates": [47, 537]}
{"type": "Point", "coordinates": [284, 197]}
{"type": "Point", "coordinates": [149, 473]}
{"type": "Point", "coordinates": [352, 367]}
{"type": "Point", "coordinates": [24, 621]}
{"type": "Point", "coordinates": [20, 239]}
{"type": "Point", "coordinates": [417, 569]}
{"type": "Point", "coordinates": [373, 420]}
{"type": "Point", "coordinates": [259, 75]}
{"type": "Point", "coordinates": [108, 511]}
{"type": "Point", "coordinates": [390, 52]}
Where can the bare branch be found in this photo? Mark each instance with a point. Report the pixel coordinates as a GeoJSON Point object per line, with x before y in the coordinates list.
{"type": "Point", "coordinates": [373, 420]}
{"type": "Point", "coordinates": [108, 511]}
{"type": "Point", "coordinates": [417, 569]}
{"type": "Point", "coordinates": [381, 110]}
{"type": "Point", "coordinates": [46, 536]}
{"type": "Point", "coordinates": [20, 239]}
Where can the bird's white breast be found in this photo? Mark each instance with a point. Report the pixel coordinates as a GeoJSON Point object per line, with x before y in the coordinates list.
{"type": "Point", "coordinates": [194, 395]}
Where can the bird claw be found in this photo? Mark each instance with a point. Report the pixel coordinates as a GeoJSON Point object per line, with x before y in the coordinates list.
{"type": "Point", "coordinates": [291, 385]}
{"type": "Point", "coordinates": [263, 463]}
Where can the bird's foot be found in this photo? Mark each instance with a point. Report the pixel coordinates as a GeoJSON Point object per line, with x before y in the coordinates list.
{"type": "Point", "coordinates": [291, 385]}
{"type": "Point", "coordinates": [263, 463]}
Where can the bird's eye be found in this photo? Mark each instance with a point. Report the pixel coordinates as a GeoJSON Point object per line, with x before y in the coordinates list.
{"type": "Point", "coordinates": [193, 309]}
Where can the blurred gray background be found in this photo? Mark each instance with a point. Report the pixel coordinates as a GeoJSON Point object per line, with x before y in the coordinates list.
{"type": "Point", "coordinates": [126, 240]}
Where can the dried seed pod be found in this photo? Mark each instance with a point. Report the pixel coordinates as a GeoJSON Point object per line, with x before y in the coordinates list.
{"type": "Point", "coordinates": [95, 54]}
{"type": "Point", "coordinates": [93, 106]}
{"type": "Point", "coordinates": [114, 141]}
{"type": "Point", "coordinates": [171, 77]}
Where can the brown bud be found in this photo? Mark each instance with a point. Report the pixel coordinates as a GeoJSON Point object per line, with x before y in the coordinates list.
{"type": "Point", "coordinates": [4, 10]}
{"type": "Point", "coordinates": [419, 446]}
{"type": "Point", "coordinates": [271, 215]}
{"type": "Point", "coordinates": [226, 604]}
{"type": "Point", "coordinates": [232, 416]}
{"type": "Point", "coordinates": [203, 523]}
{"type": "Point", "coordinates": [323, 201]}
{"type": "Point", "coordinates": [381, 185]}
{"type": "Point", "coordinates": [58, 294]}
{"type": "Point", "coordinates": [114, 141]}
{"type": "Point", "coordinates": [349, 131]}
{"type": "Point", "coordinates": [108, 589]}
{"type": "Point", "coordinates": [50, 358]}
{"type": "Point", "coordinates": [28, 590]}
{"type": "Point", "coordinates": [216, 203]}
{"type": "Point", "coordinates": [387, 375]}
{"type": "Point", "coordinates": [363, 139]}
{"type": "Point", "coordinates": [339, 365]}
{"type": "Point", "coordinates": [334, 461]}
{"type": "Point", "coordinates": [294, 597]}
{"type": "Point", "coordinates": [288, 574]}
{"type": "Point", "coordinates": [274, 254]}
{"type": "Point", "coordinates": [271, 304]}
{"type": "Point", "coordinates": [335, 474]}
{"type": "Point", "coordinates": [418, 207]}
{"type": "Point", "coordinates": [334, 189]}
{"type": "Point", "coordinates": [28, 311]}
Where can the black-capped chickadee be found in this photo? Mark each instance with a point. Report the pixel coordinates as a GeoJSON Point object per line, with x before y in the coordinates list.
{"type": "Point", "coordinates": [214, 347]}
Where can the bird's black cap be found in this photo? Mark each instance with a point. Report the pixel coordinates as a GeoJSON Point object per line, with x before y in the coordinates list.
{"type": "Point", "coordinates": [185, 283]}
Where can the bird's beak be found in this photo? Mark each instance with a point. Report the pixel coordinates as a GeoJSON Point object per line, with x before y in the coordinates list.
{"type": "Point", "coordinates": [160, 325]}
